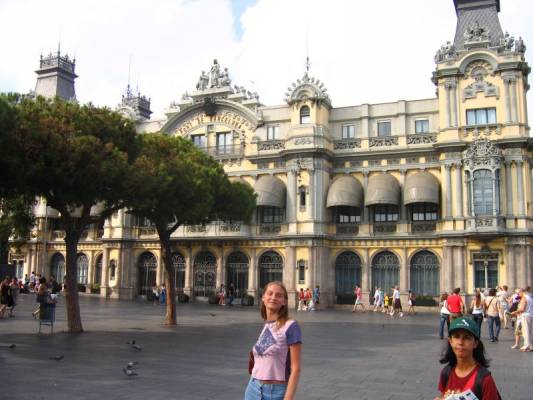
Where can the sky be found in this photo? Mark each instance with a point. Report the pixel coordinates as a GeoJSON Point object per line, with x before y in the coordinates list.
{"type": "Point", "coordinates": [364, 51]}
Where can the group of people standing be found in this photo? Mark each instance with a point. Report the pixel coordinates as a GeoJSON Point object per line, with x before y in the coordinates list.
{"type": "Point", "coordinates": [308, 299]}
{"type": "Point", "coordinates": [389, 303]}
{"type": "Point", "coordinates": [497, 306]}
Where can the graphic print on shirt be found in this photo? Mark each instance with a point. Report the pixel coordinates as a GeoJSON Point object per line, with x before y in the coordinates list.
{"type": "Point", "coordinates": [265, 341]}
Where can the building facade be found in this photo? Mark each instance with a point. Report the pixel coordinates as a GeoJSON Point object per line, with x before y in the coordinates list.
{"type": "Point", "coordinates": [429, 194]}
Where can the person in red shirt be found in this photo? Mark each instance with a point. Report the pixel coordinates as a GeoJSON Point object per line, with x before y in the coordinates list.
{"type": "Point", "coordinates": [467, 364]}
{"type": "Point", "coordinates": [456, 306]}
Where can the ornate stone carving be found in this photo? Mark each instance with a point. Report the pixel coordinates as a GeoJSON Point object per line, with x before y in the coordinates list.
{"type": "Point", "coordinates": [307, 88]}
{"type": "Point", "coordinates": [476, 35]}
{"type": "Point", "coordinates": [482, 153]}
{"type": "Point", "coordinates": [421, 139]}
{"type": "Point", "coordinates": [302, 141]}
{"type": "Point", "coordinates": [383, 141]}
{"type": "Point", "coordinates": [520, 47]}
{"type": "Point", "coordinates": [484, 222]}
{"type": "Point", "coordinates": [230, 227]}
{"type": "Point", "coordinates": [347, 144]}
{"type": "Point", "coordinates": [203, 81]}
{"type": "Point", "coordinates": [271, 145]}
{"type": "Point", "coordinates": [478, 73]}
{"type": "Point", "coordinates": [446, 52]}
{"type": "Point", "coordinates": [197, 228]}
{"type": "Point", "coordinates": [507, 42]}
{"type": "Point", "coordinates": [486, 131]}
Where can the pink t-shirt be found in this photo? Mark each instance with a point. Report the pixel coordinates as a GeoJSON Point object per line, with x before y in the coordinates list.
{"type": "Point", "coordinates": [272, 360]}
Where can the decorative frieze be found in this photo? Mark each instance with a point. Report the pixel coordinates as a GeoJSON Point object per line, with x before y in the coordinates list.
{"type": "Point", "coordinates": [347, 144]}
{"type": "Point", "coordinates": [230, 227]}
{"type": "Point", "coordinates": [271, 145]}
{"type": "Point", "coordinates": [302, 141]}
{"type": "Point", "coordinates": [422, 139]}
{"type": "Point", "coordinates": [383, 141]}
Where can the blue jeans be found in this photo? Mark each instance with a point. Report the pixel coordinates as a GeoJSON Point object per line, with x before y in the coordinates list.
{"type": "Point", "coordinates": [258, 391]}
{"type": "Point", "coordinates": [492, 321]}
{"type": "Point", "coordinates": [444, 320]}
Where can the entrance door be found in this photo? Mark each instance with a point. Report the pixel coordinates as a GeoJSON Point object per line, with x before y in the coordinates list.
{"type": "Point", "coordinates": [98, 270]}
{"type": "Point", "coordinates": [486, 273]}
{"type": "Point", "coordinates": [179, 271]}
{"type": "Point", "coordinates": [347, 275]}
{"type": "Point", "coordinates": [147, 273]}
{"type": "Point", "coordinates": [205, 266]}
{"type": "Point", "coordinates": [270, 269]}
{"type": "Point", "coordinates": [385, 271]}
{"type": "Point", "coordinates": [237, 268]}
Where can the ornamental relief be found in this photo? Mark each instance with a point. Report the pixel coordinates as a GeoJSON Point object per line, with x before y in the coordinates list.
{"type": "Point", "coordinates": [229, 118]}
{"type": "Point", "coordinates": [477, 71]}
{"type": "Point", "coordinates": [482, 153]}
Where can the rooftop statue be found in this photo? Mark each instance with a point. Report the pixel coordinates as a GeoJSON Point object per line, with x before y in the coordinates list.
{"type": "Point", "coordinates": [507, 42]}
{"type": "Point", "coordinates": [446, 52]}
{"type": "Point", "coordinates": [203, 81]}
{"type": "Point", "coordinates": [520, 47]}
{"type": "Point", "coordinates": [215, 74]}
{"type": "Point", "coordinates": [476, 33]}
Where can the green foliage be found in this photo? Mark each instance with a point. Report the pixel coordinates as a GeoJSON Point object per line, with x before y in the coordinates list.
{"type": "Point", "coordinates": [16, 220]}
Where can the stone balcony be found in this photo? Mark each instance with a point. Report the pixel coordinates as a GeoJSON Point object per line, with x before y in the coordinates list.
{"type": "Point", "coordinates": [347, 229]}
{"type": "Point", "coordinates": [490, 224]}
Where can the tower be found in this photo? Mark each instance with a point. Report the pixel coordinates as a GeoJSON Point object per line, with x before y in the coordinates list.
{"type": "Point", "coordinates": [136, 107]}
{"type": "Point", "coordinates": [55, 76]}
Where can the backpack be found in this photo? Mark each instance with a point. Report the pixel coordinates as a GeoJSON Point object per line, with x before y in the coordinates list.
{"type": "Point", "coordinates": [478, 384]}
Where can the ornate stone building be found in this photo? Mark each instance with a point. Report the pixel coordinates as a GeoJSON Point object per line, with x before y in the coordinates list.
{"type": "Point", "coordinates": [429, 194]}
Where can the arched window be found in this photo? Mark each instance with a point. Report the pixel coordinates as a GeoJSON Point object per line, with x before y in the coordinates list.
{"type": "Point", "coordinates": [58, 267]}
{"type": "Point", "coordinates": [270, 268]}
{"type": "Point", "coordinates": [205, 273]}
{"type": "Point", "coordinates": [237, 273]}
{"type": "Point", "coordinates": [385, 270]}
{"type": "Point", "coordinates": [483, 192]}
{"type": "Point", "coordinates": [347, 275]}
{"type": "Point", "coordinates": [147, 272]}
{"type": "Point", "coordinates": [424, 277]}
{"type": "Point", "coordinates": [178, 261]}
{"type": "Point", "coordinates": [83, 268]}
{"type": "Point", "coordinates": [305, 115]}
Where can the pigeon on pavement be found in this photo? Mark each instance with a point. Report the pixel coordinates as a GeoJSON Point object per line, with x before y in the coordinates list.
{"type": "Point", "coordinates": [131, 364]}
{"type": "Point", "coordinates": [136, 347]}
{"type": "Point", "coordinates": [59, 357]}
{"type": "Point", "coordinates": [129, 372]}
{"type": "Point", "coordinates": [12, 346]}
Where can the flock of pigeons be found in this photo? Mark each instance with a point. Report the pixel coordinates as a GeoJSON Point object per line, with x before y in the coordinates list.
{"type": "Point", "coordinates": [129, 370]}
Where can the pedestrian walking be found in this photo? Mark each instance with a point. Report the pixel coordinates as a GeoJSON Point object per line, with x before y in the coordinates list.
{"type": "Point", "coordinates": [316, 297]}
{"type": "Point", "coordinates": [12, 296]}
{"type": "Point", "coordinates": [466, 363]}
{"type": "Point", "coordinates": [155, 293]}
{"type": "Point", "coordinates": [222, 295]}
{"type": "Point", "coordinates": [358, 293]}
{"type": "Point", "coordinates": [163, 294]}
{"type": "Point", "coordinates": [477, 311]}
{"type": "Point", "coordinates": [275, 360]}
{"type": "Point", "coordinates": [301, 300]}
{"type": "Point", "coordinates": [4, 295]}
{"type": "Point", "coordinates": [411, 298]}
{"type": "Point", "coordinates": [378, 300]}
{"type": "Point", "coordinates": [387, 303]}
{"type": "Point", "coordinates": [503, 297]}
{"type": "Point", "coordinates": [525, 316]}
{"type": "Point", "coordinates": [444, 315]}
{"type": "Point", "coordinates": [456, 306]}
{"type": "Point", "coordinates": [231, 294]}
{"type": "Point", "coordinates": [396, 301]}
{"type": "Point", "coordinates": [492, 310]}
{"type": "Point", "coordinates": [308, 299]}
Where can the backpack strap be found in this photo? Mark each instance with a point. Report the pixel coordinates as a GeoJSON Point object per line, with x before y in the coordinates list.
{"type": "Point", "coordinates": [445, 375]}
{"type": "Point", "coordinates": [478, 384]}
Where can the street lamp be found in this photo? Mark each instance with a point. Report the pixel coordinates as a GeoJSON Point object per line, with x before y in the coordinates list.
{"type": "Point", "coordinates": [486, 266]}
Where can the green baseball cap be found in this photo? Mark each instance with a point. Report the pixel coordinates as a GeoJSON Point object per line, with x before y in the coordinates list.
{"type": "Point", "coordinates": [466, 324]}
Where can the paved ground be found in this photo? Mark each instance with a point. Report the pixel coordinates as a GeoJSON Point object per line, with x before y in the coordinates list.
{"type": "Point", "coordinates": [346, 356]}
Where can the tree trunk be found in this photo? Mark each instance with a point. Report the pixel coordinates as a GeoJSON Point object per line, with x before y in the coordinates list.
{"type": "Point", "coordinates": [170, 283]}
{"type": "Point", "coordinates": [72, 298]}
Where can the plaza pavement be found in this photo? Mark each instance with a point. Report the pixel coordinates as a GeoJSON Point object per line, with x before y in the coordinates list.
{"type": "Point", "coordinates": [345, 356]}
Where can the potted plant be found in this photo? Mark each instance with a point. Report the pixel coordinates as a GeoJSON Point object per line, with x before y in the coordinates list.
{"type": "Point", "coordinates": [95, 288]}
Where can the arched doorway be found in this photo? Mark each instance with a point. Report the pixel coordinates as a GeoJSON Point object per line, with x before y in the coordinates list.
{"type": "Point", "coordinates": [178, 261]}
{"type": "Point", "coordinates": [237, 272]}
{"type": "Point", "coordinates": [147, 270]}
{"type": "Point", "coordinates": [83, 268]}
{"type": "Point", "coordinates": [270, 268]}
{"type": "Point", "coordinates": [57, 267]}
{"type": "Point", "coordinates": [385, 271]}
{"type": "Point", "coordinates": [205, 266]}
{"type": "Point", "coordinates": [347, 275]}
{"type": "Point", "coordinates": [424, 270]}
{"type": "Point", "coordinates": [98, 270]}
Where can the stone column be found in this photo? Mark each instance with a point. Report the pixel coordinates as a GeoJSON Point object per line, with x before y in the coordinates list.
{"type": "Point", "coordinates": [365, 285]}
{"type": "Point", "coordinates": [289, 272]}
{"type": "Point", "coordinates": [510, 266]}
{"type": "Point", "coordinates": [403, 209]}
{"type": "Point", "coordinates": [507, 84]}
{"type": "Point", "coordinates": [514, 105]}
{"type": "Point", "coordinates": [188, 289]}
{"type": "Point", "coordinates": [291, 199]}
{"type": "Point", "coordinates": [495, 195]}
{"type": "Point", "coordinates": [459, 266]}
{"type": "Point", "coordinates": [520, 188]}
{"type": "Point", "coordinates": [459, 191]}
{"type": "Point", "coordinates": [404, 272]}
{"type": "Point", "coordinates": [220, 277]}
{"type": "Point", "coordinates": [522, 265]}
{"type": "Point", "coordinates": [509, 188]}
{"type": "Point", "coordinates": [448, 191]}
{"type": "Point", "coordinates": [448, 105]}
{"type": "Point", "coordinates": [368, 267]}
{"type": "Point", "coordinates": [104, 284]}
{"type": "Point", "coordinates": [454, 106]}
{"type": "Point", "coordinates": [447, 263]}
{"type": "Point", "coordinates": [311, 198]}
{"type": "Point", "coordinates": [252, 274]}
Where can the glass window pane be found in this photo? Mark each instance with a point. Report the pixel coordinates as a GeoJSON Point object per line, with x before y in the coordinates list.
{"type": "Point", "coordinates": [422, 126]}
{"type": "Point", "coordinates": [481, 116]}
{"type": "Point", "coordinates": [471, 117]}
{"type": "Point", "coordinates": [305, 115]}
{"type": "Point", "coordinates": [491, 115]}
{"type": "Point", "coordinates": [384, 128]}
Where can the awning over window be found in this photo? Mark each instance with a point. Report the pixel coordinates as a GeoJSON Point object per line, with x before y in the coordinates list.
{"type": "Point", "coordinates": [345, 191]}
{"type": "Point", "coordinates": [382, 189]}
{"type": "Point", "coordinates": [270, 191]}
{"type": "Point", "coordinates": [421, 187]}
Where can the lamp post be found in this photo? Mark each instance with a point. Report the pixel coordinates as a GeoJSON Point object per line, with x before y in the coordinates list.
{"type": "Point", "coordinates": [486, 266]}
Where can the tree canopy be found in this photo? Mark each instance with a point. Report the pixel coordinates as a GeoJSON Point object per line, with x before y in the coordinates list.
{"type": "Point", "coordinates": [75, 156]}
{"type": "Point", "coordinates": [174, 183]}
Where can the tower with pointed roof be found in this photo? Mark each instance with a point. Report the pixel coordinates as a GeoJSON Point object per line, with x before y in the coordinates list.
{"type": "Point", "coordinates": [55, 76]}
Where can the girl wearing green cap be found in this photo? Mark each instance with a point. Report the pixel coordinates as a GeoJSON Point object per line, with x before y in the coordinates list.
{"type": "Point", "coordinates": [467, 365]}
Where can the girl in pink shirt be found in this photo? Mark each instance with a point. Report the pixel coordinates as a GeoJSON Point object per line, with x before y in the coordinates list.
{"type": "Point", "coordinates": [277, 352]}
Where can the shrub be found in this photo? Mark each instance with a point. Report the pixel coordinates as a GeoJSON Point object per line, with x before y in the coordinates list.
{"type": "Point", "coordinates": [183, 298]}
{"type": "Point", "coordinates": [81, 287]}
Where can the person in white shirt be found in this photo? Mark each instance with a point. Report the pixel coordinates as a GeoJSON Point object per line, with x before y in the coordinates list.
{"type": "Point", "coordinates": [503, 298]}
{"type": "Point", "coordinates": [397, 304]}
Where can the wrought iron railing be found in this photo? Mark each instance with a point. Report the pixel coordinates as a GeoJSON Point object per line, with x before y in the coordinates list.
{"type": "Point", "coordinates": [227, 150]}
{"type": "Point", "coordinates": [384, 228]}
{"type": "Point", "coordinates": [267, 229]}
{"type": "Point", "coordinates": [347, 144]}
{"type": "Point", "coordinates": [347, 229]}
{"type": "Point", "coordinates": [422, 138]}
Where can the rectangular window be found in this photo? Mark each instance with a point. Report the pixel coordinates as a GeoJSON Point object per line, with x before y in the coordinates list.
{"type": "Point", "coordinates": [348, 215]}
{"type": "Point", "coordinates": [481, 116]}
{"type": "Point", "coordinates": [301, 271]}
{"type": "Point", "coordinates": [424, 212]}
{"type": "Point", "coordinates": [302, 197]}
{"type": "Point", "coordinates": [384, 128]}
{"type": "Point", "coordinates": [422, 126]}
{"type": "Point", "coordinates": [348, 131]}
{"type": "Point", "coordinates": [198, 140]}
{"type": "Point", "coordinates": [271, 215]}
{"type": "Point", "coordinates": [385, 214]}
{"type": "Point", "coordinates": [272, 132]}
{"type": "Point", "coordinates": [224, 141]}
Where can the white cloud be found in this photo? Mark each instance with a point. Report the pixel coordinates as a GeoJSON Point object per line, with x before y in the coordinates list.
{"type": "Point", "coordinates": [364, 51]}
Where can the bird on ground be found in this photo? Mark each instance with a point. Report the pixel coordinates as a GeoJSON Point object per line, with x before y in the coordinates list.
{"type": "Point", "coordinates": [132, 364]}
{"type": "Point", "coordinates": [129, 372]}
{"type": "Point", "coordinates": [212, 314]}
{"type": "Point", "coordinates": [131, 342]}
{"type": "Point", "coordinates": [59, 357]}
{"type": "Point", "coordinates": [12, 346]}
{"type": "Point", "coordinates": [136, 347]}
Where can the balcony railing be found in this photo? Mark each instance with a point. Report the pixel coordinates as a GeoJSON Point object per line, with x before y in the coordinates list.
{"type": "Point", "coordinates": [423, 226]}
{"type": "Point", "coordinates": [347, 229]}
{"type": "Point", "coordinates": [269, 229]}
{"type": "Point", "coordinates": [383, 141]}
{"type": "Point", "coordinates": [347, 144]}
{"type": "Point", "coordinates": [270, 145]}
{"type": "Point", "coordinates": [422, 138]}
{"type": "Point", "coordinates": [487, 223]}
{"type": "Point", "coordinates": [384, 228]}
{"type": "Point", "coordinates": [58, 235]}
